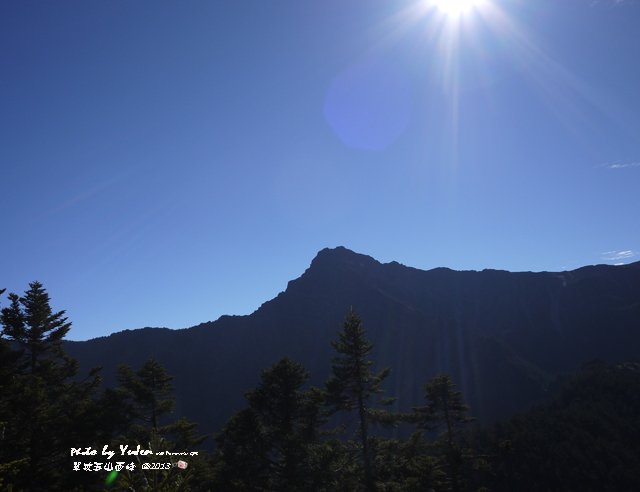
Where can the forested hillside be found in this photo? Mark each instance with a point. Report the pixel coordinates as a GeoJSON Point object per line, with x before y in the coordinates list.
{"type": "Point", "coordinates": [291, 435]}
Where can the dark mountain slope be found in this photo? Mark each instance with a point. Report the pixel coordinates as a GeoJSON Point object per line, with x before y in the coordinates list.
{"type": "Point", "coordinates": [587, 438]}
{"type": "Point", "coordinates": [503, 336]}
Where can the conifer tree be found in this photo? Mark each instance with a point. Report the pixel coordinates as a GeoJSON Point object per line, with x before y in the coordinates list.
{"type": "Point", "coordinates": [353, 387]}
{"type": "Point", "coordinates": [10, 462]}
{"type": "Point", "coordinates": [446, 410]}
{"type": "Point", "coordinates": [30, 322]}
{"type": "Point", "coordinates": [274, 443]}
{"type": "Point", "coordinates": [146, 399]}
{"type": "Point", "coordinates": [42, 404]}
{"type": "Point", "coordinates": [149, 393]}
{"type": "Point", "coordinates": [445, 407]}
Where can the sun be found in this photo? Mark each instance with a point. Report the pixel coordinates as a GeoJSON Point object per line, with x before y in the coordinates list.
{"type": "Point", "coordinates": [456, 8]}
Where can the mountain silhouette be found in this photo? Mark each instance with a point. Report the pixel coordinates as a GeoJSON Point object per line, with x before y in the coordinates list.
{"type": "Point", "coordinates": [503, 336]}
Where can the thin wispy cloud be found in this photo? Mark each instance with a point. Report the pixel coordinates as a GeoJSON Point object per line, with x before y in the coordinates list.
{"type": "Point", "coordinates": [621, 165]}
{"type": "Point", "coordinates": [619, 255]}
{"type": "Point", "coordinates": [91, 192]}
{"type": "Point", "coordinates": [615, 3]}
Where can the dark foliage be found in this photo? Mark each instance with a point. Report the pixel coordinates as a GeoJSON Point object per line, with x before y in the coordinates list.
{"type": "Point", "coordinates": [43, 408]}
{"type": "Point", "coordinates": [274, 444]}
{"type": "Point", "coordinates": [146, 399]}
{"type": "Point", "coordinates": [353, 387]}
{"type": "Point", "coordinates": [587, 439]}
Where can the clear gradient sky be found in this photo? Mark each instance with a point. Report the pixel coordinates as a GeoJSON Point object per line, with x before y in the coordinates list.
{"type": "Point", "coordinates": [164, 163]}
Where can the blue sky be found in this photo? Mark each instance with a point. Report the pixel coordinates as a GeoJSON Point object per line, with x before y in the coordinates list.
{"type": "Point", "coordinates": [164, 163]}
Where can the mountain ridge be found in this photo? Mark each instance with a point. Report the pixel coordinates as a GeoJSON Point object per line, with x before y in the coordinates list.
{"type": "Point", "coordinates": [496, 332]}
{"type": "Point", "coordinates": [344, 252]}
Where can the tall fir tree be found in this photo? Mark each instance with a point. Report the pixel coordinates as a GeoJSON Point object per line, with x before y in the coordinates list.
{"type": "Point", "coordinates": [446, 410]}
{"type": "Point", "coordinates": [274, 443]}
{"type": "Point", "coordinates": [354, 387]}
{"type": "Point", "coordinates": [45, 404]}
{"type": "Point", "coordinates": [148, 393]}
{"type": "Point", "coordinates": [11, 463]}
{"type": "Point", "coordinates": [146, 401]}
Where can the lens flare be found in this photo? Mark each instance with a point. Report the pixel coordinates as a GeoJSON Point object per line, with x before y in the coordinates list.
{"type": "Point", "coordinates": [111, 477]}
